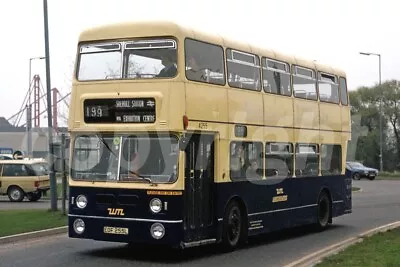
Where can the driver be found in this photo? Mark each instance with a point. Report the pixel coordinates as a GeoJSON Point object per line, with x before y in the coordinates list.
{"type": "Point", "coordinates": [169, 62]}
{"type": "Point", "coordinates": [131, 156]}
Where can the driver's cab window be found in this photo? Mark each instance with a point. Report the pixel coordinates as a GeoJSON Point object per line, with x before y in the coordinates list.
{"type": "Point", "coordinates": [15, 170]}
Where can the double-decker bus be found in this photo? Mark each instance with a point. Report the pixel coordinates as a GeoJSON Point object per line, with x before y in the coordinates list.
{"type": "Point", "coordinates": [183, 138]}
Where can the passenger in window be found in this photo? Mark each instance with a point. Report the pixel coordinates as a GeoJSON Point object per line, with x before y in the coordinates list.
{"type": "Point", "coordinates": [237, 162]}
{"type": "Point", "coordinates": [252, 170]}
{"type": "Point", "coordinates": [193, 70]}
{"type": "Point", "coordinates": [170, 66]}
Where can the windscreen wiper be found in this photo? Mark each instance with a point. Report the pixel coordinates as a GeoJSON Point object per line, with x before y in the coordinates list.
{"type": "Point", "coordinates": [106, 145]}
{"type": "Point", "coordinates": [141, 176]}
{"type": "Point", "coordinates": [135, 173]}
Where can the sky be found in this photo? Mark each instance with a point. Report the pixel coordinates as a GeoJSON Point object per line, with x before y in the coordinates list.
{"type": "Point", "coordinates": [329, 31]}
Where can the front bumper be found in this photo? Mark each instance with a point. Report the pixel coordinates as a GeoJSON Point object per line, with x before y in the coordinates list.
{"type": "Point", "coordinates": [138, 230]}
{"type": "Point", "coordinates": [369, 174]}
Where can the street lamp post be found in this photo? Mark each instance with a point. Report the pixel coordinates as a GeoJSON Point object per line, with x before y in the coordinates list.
{"type": "Point", "coordinates": [53, 181]}
{"type": "Point", "coordinates": [380, 109]}
{"type": "Point", "coordinates": [29, 110]}
{"type": "Point", "coordinates": [30, 67]}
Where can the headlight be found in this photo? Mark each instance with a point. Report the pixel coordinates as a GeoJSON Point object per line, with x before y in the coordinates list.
{"type": "Point", "coordinates": [79, 226]}
{"type": "Point", "coordinates": [81, 201]}
{"type": "Point", "coordinates": [157, 231]}
{"type": "Point", "coordinates": [155, 205]}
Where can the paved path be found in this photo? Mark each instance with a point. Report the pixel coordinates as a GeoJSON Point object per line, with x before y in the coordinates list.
{"type": "Point", "coordinates": [5, 204]}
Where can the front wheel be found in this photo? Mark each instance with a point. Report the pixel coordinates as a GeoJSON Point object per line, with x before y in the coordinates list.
{"type": "Point", "coordinates": [323, 211]}
{"type": "Point", "coordinates": [232, 227]}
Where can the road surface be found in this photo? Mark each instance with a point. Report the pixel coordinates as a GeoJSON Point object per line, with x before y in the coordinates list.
{"type": "Point", "coordinates": [377, 204]}
{"type": "Point", "coordinates": [5, 204]}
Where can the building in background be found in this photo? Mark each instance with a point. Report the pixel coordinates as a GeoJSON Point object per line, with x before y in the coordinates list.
{"type": "Point", "coordinates": [16, 138]}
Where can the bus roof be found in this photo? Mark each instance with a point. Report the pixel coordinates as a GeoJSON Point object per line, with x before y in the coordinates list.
{"type": "Point", "coordinates": [126, 30]}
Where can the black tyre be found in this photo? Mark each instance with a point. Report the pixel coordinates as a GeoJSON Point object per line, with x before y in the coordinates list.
{"type": "Point", "coordinates": [33, 196]}
{"type": "Point", "coordinates": [323, 211]}
{"type": "Point", "coordinates": [233, 226]}
{"type": "Point", "coordinates": [356, 176]}
{"type": "Point", "coordinates": [15, 194]}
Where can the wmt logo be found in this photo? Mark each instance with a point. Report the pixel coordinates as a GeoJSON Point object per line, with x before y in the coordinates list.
{"type": "Point", "coordinates": [114, 212]}
{"type": "Point", "coordinates": [279, 191]}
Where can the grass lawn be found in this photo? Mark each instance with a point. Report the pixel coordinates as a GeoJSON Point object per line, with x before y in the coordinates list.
{"type": "Point", "coordinates": [388, 176]}
{"type": "Point", "coordinates": [354, 189]}
{"type": "Point", "coordinates": [22, 221]}
{"type": "Point", "coordinates": [59, 192]}
{"type": "Point", "coordinates": [381, 249]}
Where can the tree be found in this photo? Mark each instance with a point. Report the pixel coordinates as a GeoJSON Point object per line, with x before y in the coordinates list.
{"type": "Point", "coordinates": [391, 108]}
{"type": "Point", "coordinates": [365, 103]}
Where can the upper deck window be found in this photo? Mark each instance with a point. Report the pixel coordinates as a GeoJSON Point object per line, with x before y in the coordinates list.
{"type": "Point", "coordinates": [276, 77]}
{"type": "Point", "coordinates": [328, 88]}
{"type": "Point", "coordinates": [243, 70]}
{"type": "Point", "coordinates": [136, 59]}
{"type": "Point", "coordinates": [343, 91]}
{"type": "Point", "coordinates": [304, 84]}
{"type": "Point", "coordinates": [204, 62]}
{"type": "Point", "coordinates": [100, 61]}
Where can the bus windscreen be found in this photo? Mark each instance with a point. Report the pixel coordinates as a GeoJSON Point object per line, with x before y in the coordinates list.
{"type": "Point", "coordinates": [125, 158]}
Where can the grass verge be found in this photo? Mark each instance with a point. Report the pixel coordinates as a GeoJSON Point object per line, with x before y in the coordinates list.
{"type": "Point", "coordinates": [23, 221]}
{"type": "Point", "coordinates": [381, 249]}
{"type": "Point", "coordinates": [59, 192]}
{"type": "Point", "coordinates": [388, 175]}
{"type": "Point", "coordinates": [355, 189]}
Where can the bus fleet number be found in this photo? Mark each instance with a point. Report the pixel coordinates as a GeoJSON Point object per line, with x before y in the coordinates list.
{"type": "Point", "coordinates": [203, 125]}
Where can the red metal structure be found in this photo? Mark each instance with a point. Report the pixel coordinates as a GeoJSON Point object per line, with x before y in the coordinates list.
{"type": "Point", "coordinates": [39, 94]}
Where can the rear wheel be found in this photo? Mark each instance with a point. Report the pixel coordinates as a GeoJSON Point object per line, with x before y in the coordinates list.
{"type": "Point", "coordinates": [15, 194]}
{"type": "Point", "coordinates": [324, 211]}
{"type": "Point", "coordinates": [232, 227]}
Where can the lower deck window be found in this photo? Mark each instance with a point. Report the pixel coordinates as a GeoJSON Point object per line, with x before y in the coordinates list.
{"type": "Point", "coordinates": [331, 159]}
{"type": "Point", "coordinates": [246, 161]}
{"type": "Point", "coordinates": [278, 160]}
{"type": "Point", "coordinates": [307, 160]}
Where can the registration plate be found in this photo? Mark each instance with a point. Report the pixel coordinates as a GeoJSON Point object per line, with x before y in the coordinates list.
{"type": "Point", "coordinates": [115, 230]}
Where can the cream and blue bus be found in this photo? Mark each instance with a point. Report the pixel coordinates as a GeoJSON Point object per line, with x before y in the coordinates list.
{"type": "Point", "coordinates": [183, 138]}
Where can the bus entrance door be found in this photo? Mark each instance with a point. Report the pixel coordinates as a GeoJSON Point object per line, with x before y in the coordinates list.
{"type": "Point", "coordinates": [199, 179]}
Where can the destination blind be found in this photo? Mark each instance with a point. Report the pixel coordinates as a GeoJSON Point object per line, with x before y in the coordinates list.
{"type": "Point", "coordinates": [126, 110]}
